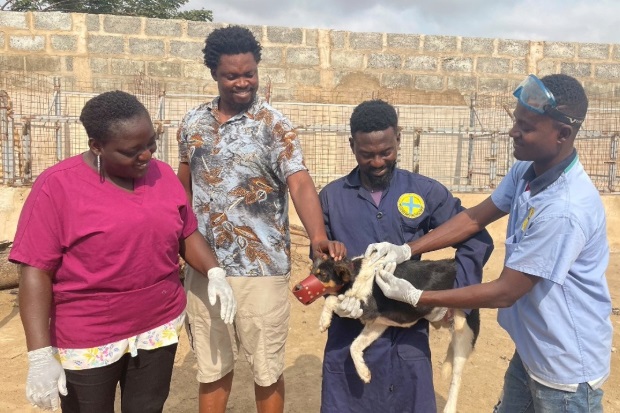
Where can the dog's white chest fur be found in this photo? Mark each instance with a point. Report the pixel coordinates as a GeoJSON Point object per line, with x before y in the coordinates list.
{"type": "Point", "coordinates": [364, 281]}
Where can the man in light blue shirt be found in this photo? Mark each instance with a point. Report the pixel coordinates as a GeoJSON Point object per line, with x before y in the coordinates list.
{"type": "Point", "coordinates": [552, 293]}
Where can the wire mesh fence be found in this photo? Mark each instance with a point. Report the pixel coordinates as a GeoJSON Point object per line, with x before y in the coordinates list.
{"type": "Point", "coordinates": [462, 141]}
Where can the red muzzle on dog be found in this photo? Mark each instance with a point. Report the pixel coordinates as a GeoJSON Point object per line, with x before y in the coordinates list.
{"type": "Point", "coordinates": [310, 289]}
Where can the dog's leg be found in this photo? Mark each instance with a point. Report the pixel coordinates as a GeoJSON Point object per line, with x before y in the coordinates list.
{"type": "Point", "coordinates": [461, 346]}
{"type": "Point", "coordinates": [331, 302]}
{"type": "Point", "coordinates": [369, 334]}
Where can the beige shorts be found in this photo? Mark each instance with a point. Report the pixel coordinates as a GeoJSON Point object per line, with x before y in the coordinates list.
{"type": "Point", "coordinates": [260, 328]}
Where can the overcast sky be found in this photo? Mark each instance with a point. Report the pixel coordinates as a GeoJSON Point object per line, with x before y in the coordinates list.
{"type": "Point", "coordinates": [585, 21]}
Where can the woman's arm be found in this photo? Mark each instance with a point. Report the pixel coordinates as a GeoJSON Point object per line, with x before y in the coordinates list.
{"type": "Point", "coordinates": [196, 251]}
{"type": "Point", "coordinates": [46, 377]}
{"type": "Point", "coordinates": [35, 300]}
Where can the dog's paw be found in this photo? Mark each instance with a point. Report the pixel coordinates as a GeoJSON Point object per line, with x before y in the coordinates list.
{"type": "Point", "coordinates": [355, 294]}
{"type": "Point", "coordinates": [361, 367]}
{"type": "Point", "coordinates": [364, 373]}
{"type": "Point", "coordinates": [324, 322]}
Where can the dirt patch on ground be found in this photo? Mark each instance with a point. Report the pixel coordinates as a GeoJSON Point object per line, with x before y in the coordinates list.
{"type": "Point", "coordinates": [483, 374]}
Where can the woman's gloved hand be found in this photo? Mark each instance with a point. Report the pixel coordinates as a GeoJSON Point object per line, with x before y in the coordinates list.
{"type": "Point", "coordinates": [219, 288]}
{"type": "Point", "coordinates": [46, 379]}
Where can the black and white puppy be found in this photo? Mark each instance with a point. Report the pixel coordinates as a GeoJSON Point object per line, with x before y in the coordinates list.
{"type": "Point", "coordinates": [355, 278]}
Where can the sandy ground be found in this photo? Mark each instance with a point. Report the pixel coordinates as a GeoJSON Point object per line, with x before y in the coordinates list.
{"type": "Point", "coordinates": [482, 377]}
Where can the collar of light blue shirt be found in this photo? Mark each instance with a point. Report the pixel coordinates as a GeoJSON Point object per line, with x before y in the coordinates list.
{"type": "Point", "coordinates": [539, 183]}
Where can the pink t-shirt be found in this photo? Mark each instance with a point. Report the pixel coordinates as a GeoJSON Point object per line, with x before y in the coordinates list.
{"type": "Point", "coordinates": [114, 253]}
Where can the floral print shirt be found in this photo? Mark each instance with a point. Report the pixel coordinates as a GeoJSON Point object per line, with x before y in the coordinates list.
{"type": "Point", "coordinates": [88, 358]}
{"type": "Point", "coordinates": [240, 196]}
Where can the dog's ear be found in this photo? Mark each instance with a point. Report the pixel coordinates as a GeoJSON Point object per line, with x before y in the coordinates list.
{"type": "Point", "coordinates": [344, 270]}
{"type": "Point", "coordinates": [316, 264]}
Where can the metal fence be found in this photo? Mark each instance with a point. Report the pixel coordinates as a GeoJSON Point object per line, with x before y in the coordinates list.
{"type": "Point", "coordinates": [462, 141]}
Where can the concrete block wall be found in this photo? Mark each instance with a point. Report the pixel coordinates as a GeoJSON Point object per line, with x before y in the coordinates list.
{"type": "Point", "coordinates": [97, 48]}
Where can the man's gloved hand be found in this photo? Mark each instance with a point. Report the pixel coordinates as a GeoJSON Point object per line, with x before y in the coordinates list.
{"type": "Point", "coordinates": [396, 288]}
{"type": "Point", "coordinates": [46, 379]}
{"type": "Point", "coordinates": [349, 307]}
{"type": "Point", "coordinates": [219, 287]}
{"type": "Point", "coordinates": [388, 252]}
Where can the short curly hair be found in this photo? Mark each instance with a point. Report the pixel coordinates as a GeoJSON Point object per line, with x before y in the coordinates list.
{"type": "Point", "coordinates": [568, 93]}
{"type": "Point", "coordinates": [373, 115]}
{"type": "Point", "coordinates": [230, 40]}
{"type": "Point", "coordinates": [101, 113]}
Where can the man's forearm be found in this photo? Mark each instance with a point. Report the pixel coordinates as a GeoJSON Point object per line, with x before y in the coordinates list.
{"type": "Point", "coordinates": [308, 207]}
{"type": "Point", "coordinates": [457, 229]}
{"type": "Point", "coordinates": [185, 176]}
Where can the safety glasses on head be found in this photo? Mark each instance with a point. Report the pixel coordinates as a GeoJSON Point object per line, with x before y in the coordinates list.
{"type": "Point", "coordinates": [535, 96]}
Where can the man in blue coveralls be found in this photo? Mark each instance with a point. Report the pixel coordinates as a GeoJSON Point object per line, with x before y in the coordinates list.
{"type": "Point", "coordinates": [378, 202]}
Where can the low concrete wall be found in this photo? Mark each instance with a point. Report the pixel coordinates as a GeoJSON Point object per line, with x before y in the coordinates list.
{"type": "Point", "coordinates": [12, 200]}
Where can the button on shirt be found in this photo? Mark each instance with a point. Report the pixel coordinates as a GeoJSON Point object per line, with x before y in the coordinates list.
{"type": "Point", "coordinates": [557, 232]}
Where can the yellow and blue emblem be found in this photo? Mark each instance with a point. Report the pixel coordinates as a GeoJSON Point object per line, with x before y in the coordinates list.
{"type": "Point", "coordinates": [526, 221]}
{"type": "Point", "coordinates": [410, 205]}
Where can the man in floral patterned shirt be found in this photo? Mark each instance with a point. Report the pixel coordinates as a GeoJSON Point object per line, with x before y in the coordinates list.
{"type": "Point", "coordinates": [239, 158]}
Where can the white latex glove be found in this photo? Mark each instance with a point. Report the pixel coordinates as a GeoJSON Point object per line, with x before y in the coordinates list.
{"type": "Point", "coordinates": [388, 252]}
{"type": "Point", "coordinates": [396, 288]}
{"type": "Point", "coordinates": [46, 379]}
{"type": "Point", "coordinates": [349, 307]}
{"type": "Point", "coordinates": [219, 287]}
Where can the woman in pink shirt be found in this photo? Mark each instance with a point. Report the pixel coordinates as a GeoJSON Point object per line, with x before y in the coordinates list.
{"type": "Point", "coordinates": [98, 241]}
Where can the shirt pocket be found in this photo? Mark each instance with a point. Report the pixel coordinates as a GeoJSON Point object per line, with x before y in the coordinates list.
{"type": "Point", "coordinates": [511, 244]}
{"type": "Point", "coordinates": [409, 228]}
{"type": "Point", "coordinates": [339, 361]}
{"type": "Point", "coordinates": [411, 353]}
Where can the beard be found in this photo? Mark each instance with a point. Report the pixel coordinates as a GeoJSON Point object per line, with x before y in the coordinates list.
{"type": "Point", "coordinates": [381, 182]}
{"type": "Point", "coordinates": [243, 106]}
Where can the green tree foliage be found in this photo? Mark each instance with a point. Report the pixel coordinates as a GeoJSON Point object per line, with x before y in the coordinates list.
{"type": "Point", "coordinates": [163, 9]}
